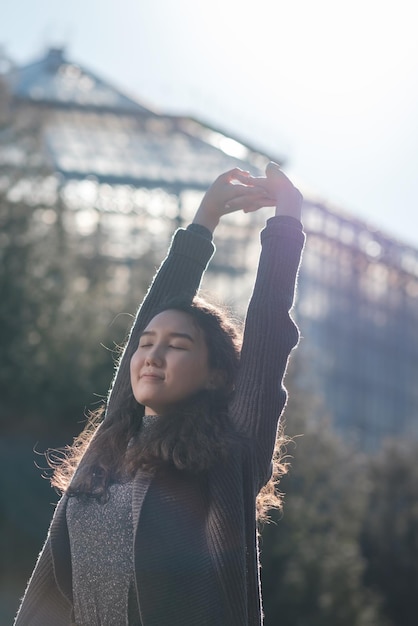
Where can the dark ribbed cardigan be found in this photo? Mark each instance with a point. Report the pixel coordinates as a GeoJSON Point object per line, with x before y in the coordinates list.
{"type": "Point", "coordinates": [231, 533]}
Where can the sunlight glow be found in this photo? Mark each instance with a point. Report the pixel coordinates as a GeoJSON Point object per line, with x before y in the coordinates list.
{"type": "Point", "coordinates": [227, 145]}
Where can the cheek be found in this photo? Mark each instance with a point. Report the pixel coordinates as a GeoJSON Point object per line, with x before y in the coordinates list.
{"type": "Point", "coordinates": [199, 371]}
{"type": "Point", "coordinates": [187, 369]}
{"type": "Point", "coordinates": [134, 364]}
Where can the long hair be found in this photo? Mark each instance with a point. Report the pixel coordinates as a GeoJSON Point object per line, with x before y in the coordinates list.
{"type": "Point", "coordinates": [192, 437]}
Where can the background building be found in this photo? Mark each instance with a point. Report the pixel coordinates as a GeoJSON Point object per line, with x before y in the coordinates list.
{"type": "Point", "coordinates": [122, 177]}
{"type": "Point", "coordinates": [358, 307]}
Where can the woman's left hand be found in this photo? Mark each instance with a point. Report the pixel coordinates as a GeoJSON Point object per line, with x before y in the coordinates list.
{"type": "Point", "coordinates": [232, 191]}
{"type": "Point", "coordinates": [288, 198]}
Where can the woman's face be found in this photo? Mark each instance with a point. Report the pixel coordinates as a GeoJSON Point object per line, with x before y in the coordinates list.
{"type": "Point", "coordinates": [170, 363]}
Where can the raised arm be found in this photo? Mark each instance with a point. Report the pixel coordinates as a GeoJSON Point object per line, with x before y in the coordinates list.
{"type": "Point", "coordinates": [270, 333]}
{"type": "Point", "coordinates": [179, 275]}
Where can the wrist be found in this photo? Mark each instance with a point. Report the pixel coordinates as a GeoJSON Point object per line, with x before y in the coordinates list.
{"type": "Point", "coordinates": [295, 212]}
{"type": "Point", "coordinates": [198, 229]}
{"type": "Point", "coordinates": [290, 205]}
{"type": "Point", "coordinates": [206, 219]}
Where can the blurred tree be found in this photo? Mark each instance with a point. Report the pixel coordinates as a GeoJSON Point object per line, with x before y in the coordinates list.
{"type": "Point", "coordinates": [57, 306]}
{"type": "Point", "coordinates": [312, 566]}
{"type": "Point", "coordinates": [390, 533]}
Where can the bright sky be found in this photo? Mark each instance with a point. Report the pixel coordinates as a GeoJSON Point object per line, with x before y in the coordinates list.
{"type": "Point", "coordinates": [330, 85]}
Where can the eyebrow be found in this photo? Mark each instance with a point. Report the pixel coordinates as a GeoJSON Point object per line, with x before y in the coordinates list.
{"type": "Point", "coordinates": [171, 335]}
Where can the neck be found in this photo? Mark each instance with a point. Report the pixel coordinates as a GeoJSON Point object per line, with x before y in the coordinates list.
{"type": "Point", "coordinates": [149, 419]}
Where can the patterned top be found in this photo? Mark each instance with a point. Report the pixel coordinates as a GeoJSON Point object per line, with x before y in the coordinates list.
{"type": "Point", "coordinates": [101, 543]}
{"type": "Point", "coordinates": [101, 540]}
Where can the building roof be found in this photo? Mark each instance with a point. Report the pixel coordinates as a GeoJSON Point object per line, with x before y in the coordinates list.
{"type": "Point", "coordinates": [141, 150]}
{"type": "Point", "coordinates": [55, 80]}
{"type": "Point", "coordinates": [92, 129]}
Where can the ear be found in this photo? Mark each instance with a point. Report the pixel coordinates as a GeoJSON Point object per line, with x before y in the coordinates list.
{"type": "Point", "coordinates": [216, 379]}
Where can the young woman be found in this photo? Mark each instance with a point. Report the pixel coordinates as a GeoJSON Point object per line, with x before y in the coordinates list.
{"type": "Point", "coordinates": [157, 524]}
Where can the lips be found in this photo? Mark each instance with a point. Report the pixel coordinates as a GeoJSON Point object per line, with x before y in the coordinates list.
{"type": "Point", "coordinates": [152, 376]}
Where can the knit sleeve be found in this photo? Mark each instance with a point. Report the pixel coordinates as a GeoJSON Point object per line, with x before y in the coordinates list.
{"type": "Point", "coordinates": [269, 336]}
{"type": "Point", "coordinates": [43, 604]}
{"type": "Point", "coordinates": [179, 275]}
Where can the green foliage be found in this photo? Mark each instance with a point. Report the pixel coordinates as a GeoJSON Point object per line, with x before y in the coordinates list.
{"type": "Point", "coordinates": [55, 317]}
{"type": "Point", "coordinates": [312, 566]}
{"type": "Point", "coordinates": [50, 331]}
{"type": "Point", "coordinates": [390, 533]}
{"type": "Point", "coordinates": [57, 311]}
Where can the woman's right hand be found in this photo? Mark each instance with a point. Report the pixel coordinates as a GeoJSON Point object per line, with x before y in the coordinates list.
{"type": "Point", "coordinates": [232, 191]}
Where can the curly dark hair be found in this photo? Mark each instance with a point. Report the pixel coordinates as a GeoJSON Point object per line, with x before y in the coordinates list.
{"type": "Point", "coordinates": [191, 437]}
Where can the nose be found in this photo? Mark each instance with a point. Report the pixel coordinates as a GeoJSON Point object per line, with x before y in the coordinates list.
{"type": "Point", "coordinates": [154, 357]}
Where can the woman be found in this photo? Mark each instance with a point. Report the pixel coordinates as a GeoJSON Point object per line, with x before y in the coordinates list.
{"type": "Point", "coordinates": [157, 524]}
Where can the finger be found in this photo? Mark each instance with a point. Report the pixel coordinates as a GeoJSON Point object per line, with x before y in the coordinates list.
{"type": "Point", "coordinates": [237, 190]}
{"type": "Point", "coordinates": [245, 178]}
{"type": "Point", "coordinates": [247, 196]}
{"type": "Point", "coordinates": [248, 203]}
{"type": "Point", "coordinates": [255, 206]}
{"type": "Point", "coordinates": [273, 168]}
{"type": "Point", "coordinates": [234, 173]}
{"type": "Point", "coordinates": [261, 182]}
{"type": "Point", "coordinates": [242, 176]}
{"type": "Point", "coordinates": [273, 172]}
{"type": "Point", "coordinates": [279, 184]}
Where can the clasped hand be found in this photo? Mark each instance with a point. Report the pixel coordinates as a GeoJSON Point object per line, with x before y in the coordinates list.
{"type": "Point", "coordinates": [238, 190]}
